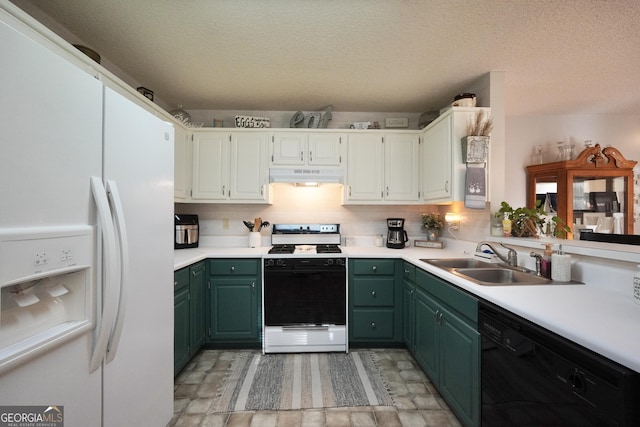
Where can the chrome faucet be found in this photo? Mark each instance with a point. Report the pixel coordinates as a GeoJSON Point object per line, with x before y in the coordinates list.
{"type": "Point", "coordinates": [538, 258]}
{"type": "Point", "coordinates": [512, 255]}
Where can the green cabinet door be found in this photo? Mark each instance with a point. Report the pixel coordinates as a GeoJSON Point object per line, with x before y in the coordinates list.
{"type": "Point", "coordinates": [196, 305]}
{"type": "Point", "coordinates": [234, 309]}
{"type": "Point", "coordinates": [181, 329]}
{"type": "Point", "coordinates": [460, 367]}
{"type": "Point", "coordinates": [408, 306]}
{"type": "Point", "coordinates": [234, 301]}
{"type": "Point", "coordinates": [427, 351]}
{"type": "Point", "coordinates": [447, 343]}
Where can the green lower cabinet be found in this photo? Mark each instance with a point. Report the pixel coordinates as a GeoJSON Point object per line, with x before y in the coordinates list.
{"type": "Point", "coordinates": [375, 295]}
{"type": "Point", "coordinates": [234, 301]}
{"type": "Point", "coordinates": [445, 341]}
{"type": "Point", "coordinates": [180, 329]}
{"type": "Point", "coordinates": [188, 311]}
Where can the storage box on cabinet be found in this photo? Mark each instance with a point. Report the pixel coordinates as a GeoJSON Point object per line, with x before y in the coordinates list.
{"type": "Point", "coordinates": [374, 293]}
{"type": "Point", "coordinates": [188, 313]}
{"type": "Point", "coordinates": [234, 301]}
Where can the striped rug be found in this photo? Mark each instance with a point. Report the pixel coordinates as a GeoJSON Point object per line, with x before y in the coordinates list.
{"type": "Point", "coordinates": [297, 381]}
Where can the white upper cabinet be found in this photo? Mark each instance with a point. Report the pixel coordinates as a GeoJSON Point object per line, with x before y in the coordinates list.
{"type": "Point", "coordinates": [182, 164]}
{"type": "Point", "coordinates": [229, 167]}
{"type": "Point", "coordinates": [401, 167]}
{"type": "Point", "coordinates": [365, 167]}
{"type": "Point", "coordinates": [382, 168]}
{"type": "Point", "coordinates": [443, 170]}
{"type": "Point", "coordinates": [436, 161]}
{"type": "Point", "coordinates": [302, 148]}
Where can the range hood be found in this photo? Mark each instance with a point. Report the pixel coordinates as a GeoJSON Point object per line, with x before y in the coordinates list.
{"type": "Point", "coordinates": [306, 174]}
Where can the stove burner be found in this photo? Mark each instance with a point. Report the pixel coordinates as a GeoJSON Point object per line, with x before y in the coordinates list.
{"type": "Point", "coordinates": [282, 249]}
{"type": "Point", "coordinates": [290, 249]}
{"type": "Point", "coordinates": [328, 249]}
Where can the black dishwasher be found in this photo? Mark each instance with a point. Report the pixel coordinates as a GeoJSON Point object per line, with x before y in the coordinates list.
{"type": "Point", "coordinates": [533, 377]}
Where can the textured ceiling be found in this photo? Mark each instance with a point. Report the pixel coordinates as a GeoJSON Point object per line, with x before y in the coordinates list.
{"type": "Point", "coordinates": [559, 57]}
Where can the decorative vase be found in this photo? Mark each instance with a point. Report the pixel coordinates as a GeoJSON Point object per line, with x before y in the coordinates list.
{"type": "Point", "coordinates": [433, 234]}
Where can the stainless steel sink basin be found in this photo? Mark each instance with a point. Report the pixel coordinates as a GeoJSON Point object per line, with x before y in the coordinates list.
{"type": "Point", "coordinates": [488, 274]}
{"type": "Point", "coordinates": [500, 276]}
{"type": "Point", "coordinates": [451, 263]}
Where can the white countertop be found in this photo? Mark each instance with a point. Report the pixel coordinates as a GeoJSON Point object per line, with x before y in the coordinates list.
{"type": "Point", "coordinates": [603, 320]}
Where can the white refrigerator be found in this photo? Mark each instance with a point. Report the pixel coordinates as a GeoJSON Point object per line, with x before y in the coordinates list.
{"type": "Point", "coordinates": [86, 240]}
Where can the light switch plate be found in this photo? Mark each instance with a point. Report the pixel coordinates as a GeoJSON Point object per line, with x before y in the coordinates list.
{"type": "Point", "coordinates": [396, 122]}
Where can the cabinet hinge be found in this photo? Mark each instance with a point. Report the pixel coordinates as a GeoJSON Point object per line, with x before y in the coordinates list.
{"type": "Point", "coordinates": [208, 284]}
{"type": "Point", "coordinates": [229, 137]}
{"type": "Point", "coordinates": [191, 137]}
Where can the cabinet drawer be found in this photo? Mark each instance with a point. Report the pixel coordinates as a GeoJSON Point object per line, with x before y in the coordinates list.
{"type": "Point", "coordinates": [377, 324]}
{"type": "Point", "coordinates": [409, 271]}
{"type": "Point", "coordinates": [181, 279]}
{"type": "Point", "coordinates": [373, 291]}
{"type": "Point", "coordinates": [236, 267]}
{"type": "Point", "coordinates": [373, 266]}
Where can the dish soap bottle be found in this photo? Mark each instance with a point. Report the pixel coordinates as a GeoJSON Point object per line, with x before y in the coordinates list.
{"type": "Point", "coordinates": [560, 266]}
{"type": "Point", "coordinates": [506, 226]}
{"type": "Point", "coordinates": [545, 265]}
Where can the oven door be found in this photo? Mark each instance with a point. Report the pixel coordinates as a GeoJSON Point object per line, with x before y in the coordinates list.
{"type": "Point", "coordinates": [305, 293]}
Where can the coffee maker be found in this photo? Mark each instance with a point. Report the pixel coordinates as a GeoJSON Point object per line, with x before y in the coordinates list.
{"type": "Point", "coordinates": [396, 236]}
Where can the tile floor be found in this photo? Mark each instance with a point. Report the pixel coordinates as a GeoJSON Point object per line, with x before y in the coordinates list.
{"type": "Point", "coordinates": [417, 402]}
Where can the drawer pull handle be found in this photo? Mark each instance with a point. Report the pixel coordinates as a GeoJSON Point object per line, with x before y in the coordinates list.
{"type": "Point", "coordinates": [374, 268]}
{"type": "Point", "coordinates": [406, 272]}
{"type": "Point", "coordinates": [373, 325]}
{"type": "Point", "coordinates": [373, 293]}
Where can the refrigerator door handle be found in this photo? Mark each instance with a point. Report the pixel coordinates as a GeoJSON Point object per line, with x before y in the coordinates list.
{"type": "Point", "coordinates": [110, 291]}
{"type": "Point", "coordinates": [121, 229]}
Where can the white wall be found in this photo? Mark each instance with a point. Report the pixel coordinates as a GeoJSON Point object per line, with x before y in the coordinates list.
{"type": "Point", "coordinates": [524, 133]}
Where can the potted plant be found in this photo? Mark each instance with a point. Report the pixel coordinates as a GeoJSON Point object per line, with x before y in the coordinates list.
{"type": "Point", "coordinates": [432, 223]}
{"type": "Point", "coordinates": [530, 222]}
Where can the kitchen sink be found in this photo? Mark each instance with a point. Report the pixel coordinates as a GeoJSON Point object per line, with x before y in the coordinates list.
{"type": "Point", "coordinates": [500, 276]}
{"type": "Point", "coordinates": [490, 274]}
{"type": "Point", "coordinates": [451, 263]}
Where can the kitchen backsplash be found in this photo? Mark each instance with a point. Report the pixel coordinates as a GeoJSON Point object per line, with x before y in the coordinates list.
{"type": "Point", "coordinates": [322, 204]}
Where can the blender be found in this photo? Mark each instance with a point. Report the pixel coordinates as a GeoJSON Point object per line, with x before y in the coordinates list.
{"type": "Point", "coordinates": [396, 236]}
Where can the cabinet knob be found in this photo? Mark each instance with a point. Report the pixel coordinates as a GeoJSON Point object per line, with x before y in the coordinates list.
{"type": "Point", "coordinates": [193, 273]}
{"type": "Point", "coordinates": [374, 268]}
{"type": "Point", "coordinates": [373, 293]}
{"type": "Point", "coordinates": [373, 325]}
{"type": "Point", "coordinates": [232, 269]}
{"type": "Point", "coordinates": [175, 284]}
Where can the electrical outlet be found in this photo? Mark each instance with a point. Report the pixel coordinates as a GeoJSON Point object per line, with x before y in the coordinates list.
{"type": "Point", "coordinates": [225, 224]}
{"type": "Point", "coordinates": [40, 258]}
